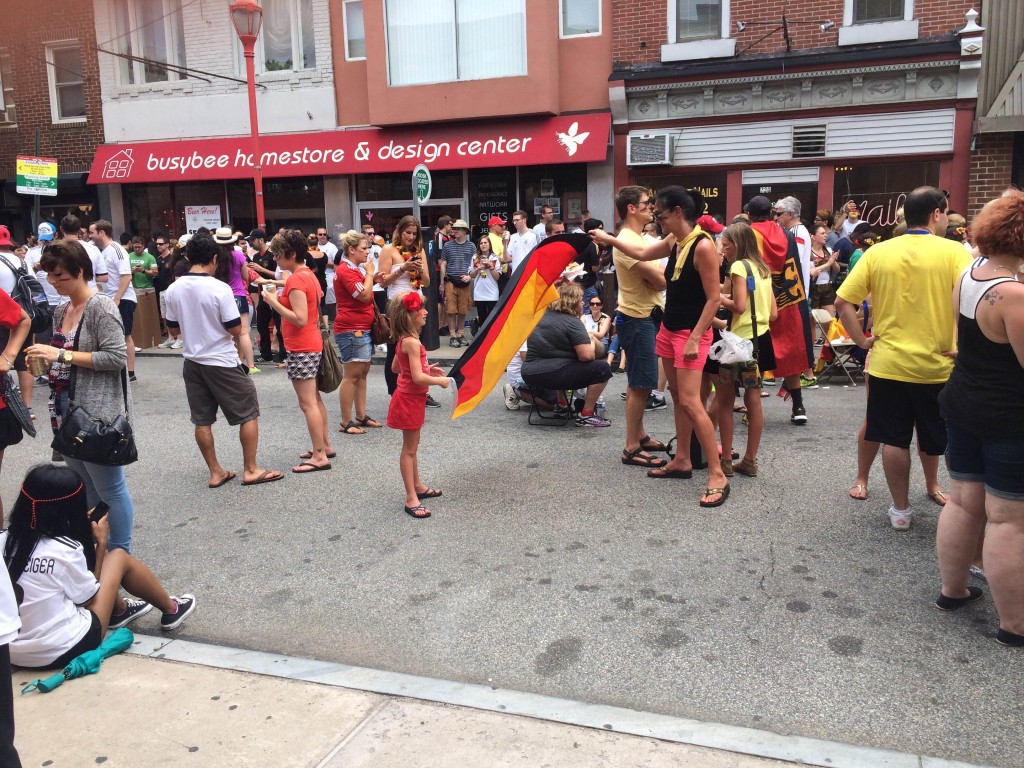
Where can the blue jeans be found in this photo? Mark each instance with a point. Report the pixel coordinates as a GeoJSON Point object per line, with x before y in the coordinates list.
{"type": "Point", "coordinates": [637, 336]}
{"type": "Point", "coordinates": [108, 484]}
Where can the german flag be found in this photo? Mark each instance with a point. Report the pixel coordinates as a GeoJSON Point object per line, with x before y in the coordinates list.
{"type": "Point", "coordinates": [527, 295]}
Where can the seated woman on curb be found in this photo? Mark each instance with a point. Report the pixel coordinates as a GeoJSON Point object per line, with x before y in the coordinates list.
{"type": "Point", "coordinates": [67, 581]}
{"type": "Point", "coordinates": [561, 355]}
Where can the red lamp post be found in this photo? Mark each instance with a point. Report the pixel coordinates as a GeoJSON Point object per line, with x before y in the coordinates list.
{"type": "Point", "coordinates": [247, 17]}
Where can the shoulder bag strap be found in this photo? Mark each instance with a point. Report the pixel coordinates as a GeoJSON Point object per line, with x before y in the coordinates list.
{"type": "Point", "coordinates": [752, 299]}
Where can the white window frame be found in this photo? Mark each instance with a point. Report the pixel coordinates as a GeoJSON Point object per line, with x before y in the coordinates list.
{"type": "Point", "coordinates": [4, 106]}
{"type": "Point", "coordinates": [878, 31]}
{"type": "Point", "coordinates": [714, 48]}
{"type": "Point", "coordinates": [561, 17]}
{"type": "Point", "coordinates": [259, 52]}
{"type": "Point", "coordinates": [171, 44]}
{"type": "Point", "coordinates": [52, 81]}
{"type": "Point", "coordinates": [344, 15]}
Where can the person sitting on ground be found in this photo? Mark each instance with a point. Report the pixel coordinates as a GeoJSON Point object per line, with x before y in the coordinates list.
{"type": "Point", "coordinates": [560, 355]}
{"type": "Point", "coordinates": [55, 551]}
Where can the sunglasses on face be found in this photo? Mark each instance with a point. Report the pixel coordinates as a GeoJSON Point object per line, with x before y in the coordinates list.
{"type": "Point", "coordinates": [595, 303]}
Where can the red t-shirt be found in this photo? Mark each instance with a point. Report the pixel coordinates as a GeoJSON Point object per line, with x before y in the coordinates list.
{"type": "Point", "coordinates": [307, 338]}
{"type": "Point", "coordinates": [10, 316]}
{"type": "Point", "coordinates": [353, 314]}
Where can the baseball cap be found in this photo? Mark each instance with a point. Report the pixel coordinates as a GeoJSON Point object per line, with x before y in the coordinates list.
{"type": "Point", "coordinates": [759, 205]}
{"type": "Point", "coordinates": [257, 234]}
{"type": "Point", "coordinates": [495, 221]}
{"type": "Point", "coordinates": [5, 236]}
{"type": "Point", "coordinates": [46, 231]}
{"type": "Point", "coordinates": [709, 223]}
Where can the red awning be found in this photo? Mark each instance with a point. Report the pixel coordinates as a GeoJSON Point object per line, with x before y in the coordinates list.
{"type": "Point", "coordinates": [565, 139]}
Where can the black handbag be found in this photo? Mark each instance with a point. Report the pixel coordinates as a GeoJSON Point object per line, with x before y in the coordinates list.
{"type": "Point", "coordinates": [96, 441]}
{"type": "Point", "coordinates": [11, 396]}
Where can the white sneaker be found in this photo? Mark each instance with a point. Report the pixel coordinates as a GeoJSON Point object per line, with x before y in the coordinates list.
{"type": "Point", "coordinates": [166, 343]}
{"type": "Point", "coordinates": [177, 344]}
{"type": "Point", "coordinates": [511, 398]}
{"type": "Point", "coordinates": [901, 520]}
{"type": "Point", "coordinates": [138, 349]}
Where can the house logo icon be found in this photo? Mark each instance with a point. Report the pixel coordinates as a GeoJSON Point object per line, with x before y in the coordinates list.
{"type": "Point", "coordinates": [119, 166]}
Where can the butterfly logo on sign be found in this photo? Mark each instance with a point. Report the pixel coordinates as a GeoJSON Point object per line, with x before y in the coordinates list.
{"type": "Point", "coordinates": [572, 140]}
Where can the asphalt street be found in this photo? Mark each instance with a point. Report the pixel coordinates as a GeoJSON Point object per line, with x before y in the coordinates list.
{"type": "Point", "coordinates": [550, 567]}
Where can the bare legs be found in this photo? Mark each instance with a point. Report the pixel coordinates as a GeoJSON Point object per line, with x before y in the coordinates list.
{"type": "Point", "coordinates": [353, 391]}
{"type": "Point", "coordinates": [243, 342]}
{"type": "Point", "coordinates": [409, 466]}
{"type": "Point", "coordinates": [690, 416]}
{"type": "Point", "coordinates": [636, 401]}
{"type": "Point", "coordinates": [725, 394]}
{"type": "Point", "coordinates": [316, 422]}
{"type": "Point", "coordinates": [248, 435]}
{"type": "Point", "coordinates": [961, 525]}
{"type": "Point", "coordinates": [119, 569]}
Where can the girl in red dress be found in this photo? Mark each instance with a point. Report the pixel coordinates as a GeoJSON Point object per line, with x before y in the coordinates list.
{"type": "Point", "coordinates": [408, 403]}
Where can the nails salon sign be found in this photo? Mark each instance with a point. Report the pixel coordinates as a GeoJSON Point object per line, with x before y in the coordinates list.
{"type": "Point", "coordinates": [575, 138]}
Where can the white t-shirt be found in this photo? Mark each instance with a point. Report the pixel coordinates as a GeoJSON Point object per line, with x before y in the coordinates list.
{"type": "Point", "coordinates": [485, 286]}
{"type": "Point", "coordinates": [10, 620]}
{"type": "Point", "coordinates": [591, 324]}
{"type": "Point", "coordinates": [117, 264]}
{"type": "Point", "coordinates": [53, 298]}
{"type": "Point", "coordinates": [846, 228]}
{"type": "Point", "coordinates": [541, 231]}
{"type": "Point", "coordinates": [330, 250]}
{"type": "Point", "coordinates": [204, 308]}
{"type": "Point", "coordinates": [519, 247]}
{"type": "Point", "coordinates": [7, 277]}
{"type": "Point", "coordinates": [803, 244]}
{"type": "Point", "coordinates": [375, 255]}
{"type": "Point", "coordinates": [56, 583]}
{"type": "Point", "coordinates": [99, 265]}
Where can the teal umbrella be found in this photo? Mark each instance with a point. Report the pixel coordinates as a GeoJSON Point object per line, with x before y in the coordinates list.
{"type": "Point", "coordinates": [86, 664]}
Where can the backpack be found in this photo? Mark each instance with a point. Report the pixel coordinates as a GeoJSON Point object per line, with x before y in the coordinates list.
{"type": "Point", "coordinates": [29, 294]}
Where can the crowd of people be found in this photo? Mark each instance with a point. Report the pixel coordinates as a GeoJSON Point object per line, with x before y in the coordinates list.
{"type": "Point", "coordinates": [685, 281]}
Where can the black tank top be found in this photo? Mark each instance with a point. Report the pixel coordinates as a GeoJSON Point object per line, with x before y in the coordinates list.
{"type": "Point", "coordinates": [984, 393]}
{"type": "Point", "coordinates": [685, 297]}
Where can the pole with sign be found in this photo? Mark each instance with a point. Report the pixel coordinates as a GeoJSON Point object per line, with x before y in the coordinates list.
{"type": "Point", "coordinates": [422, 186]}
{"type": "Point", "coordinates": [36, 176]}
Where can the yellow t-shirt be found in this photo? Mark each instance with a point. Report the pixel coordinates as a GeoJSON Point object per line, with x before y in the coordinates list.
{"type": "Point", "coordinates": [741, 324]}
{"type": "Point", "coordinates": [911, 280]}
{"type": "Point", "coordinates": [636, 298]}
{"type": "Point", "coordinates": [498, 249]}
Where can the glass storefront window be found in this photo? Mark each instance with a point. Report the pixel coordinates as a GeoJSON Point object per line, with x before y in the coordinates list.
{"type": "Point", "coordinates": [242, 204]}
{"type": "Point", "coordinates": [295, 203]}
{"type": "Point", "coordinates": [372, 187]}
{"type": "Point", "coordinates": [205, 193]}
{"type": "Point", "coordinates": [880, 190]}
{"type": "Point", "coordinates": [711, 185]}
{"type": "Point", "coordinates": [563, 187]}
{"type": "Point", "coordinates": [148, 208]}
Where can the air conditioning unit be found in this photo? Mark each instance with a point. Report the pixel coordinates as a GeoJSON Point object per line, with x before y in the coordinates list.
{"type": "Point", "coordinates": [649, 149]}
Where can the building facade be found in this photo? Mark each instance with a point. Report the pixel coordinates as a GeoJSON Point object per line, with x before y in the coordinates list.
{"type": "Point", "coordinates": [997, 161]}
{"type": "Point", "coordinates": [506, 103]}
{"type": "Point", "coordinates": [50, 90]}
{"type": "Point", "coordinates": [826, 101]}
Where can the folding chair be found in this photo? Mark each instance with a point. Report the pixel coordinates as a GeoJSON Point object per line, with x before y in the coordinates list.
{"type": "Point", "coordinates": [841, 350]}
{"type": "Point", "coordinates": [542, 418]}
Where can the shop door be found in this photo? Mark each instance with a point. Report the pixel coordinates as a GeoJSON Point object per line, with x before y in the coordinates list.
{"type": "Point", "coordinates": [805, 192]}
{"type": "Point", "coordinates": [384, 216]}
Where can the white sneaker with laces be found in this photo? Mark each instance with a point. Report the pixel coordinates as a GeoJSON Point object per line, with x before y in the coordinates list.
{"type": "Point", "coordinates": [166, 343]}
{"type": "Point", "coordinates": [177, 344]}
{"type": "Point", "coordinates": [511, 398]}
{"type": "Point", "coordinates": [901, 519]}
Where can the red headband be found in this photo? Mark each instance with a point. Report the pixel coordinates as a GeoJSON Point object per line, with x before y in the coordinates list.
{"type": "Point", "coordinates": [32, 522]}
{"type": "Point", "coordinates": [412, 301]}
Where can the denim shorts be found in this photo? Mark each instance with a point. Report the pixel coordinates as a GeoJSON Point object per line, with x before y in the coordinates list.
{"type": "Point", "coordinates": [996, 463]}
{"type": "Point", "coordinates": [636, 337]}
{"type": "Point", "coordinates": [354, 349]}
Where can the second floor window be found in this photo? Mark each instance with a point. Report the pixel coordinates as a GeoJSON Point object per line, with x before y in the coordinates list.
{"type": "Point", "coordinates": [7, 115]}
{"type": "Point", "coordinates": [698, 20]}
{"type": "Point", "coordinates": [150, 35]}
{"type": "Point", "coordinates": [67, 86]}
{"type": "Point", "coordinates": [355, 34]}
{"type": "Point", "coordinates": [287, 36]}
{"type": "Point", "coordinates": [442, 41]}
{"type": "Point", "coordinates": [867, 11]}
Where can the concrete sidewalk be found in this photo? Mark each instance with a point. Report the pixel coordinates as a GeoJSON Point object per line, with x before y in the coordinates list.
{"type": "Point", "coordinates": [151, 707]}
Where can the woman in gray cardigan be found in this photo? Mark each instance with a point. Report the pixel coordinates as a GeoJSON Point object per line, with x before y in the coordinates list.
{"type": "Point", "coordinates": [93, 321]}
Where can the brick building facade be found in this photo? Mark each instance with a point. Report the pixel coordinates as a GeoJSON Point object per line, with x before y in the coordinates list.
{"type": "Point", "coordinates": [30, 76]}
{"type": "Point", "coordinates": [825, 107]}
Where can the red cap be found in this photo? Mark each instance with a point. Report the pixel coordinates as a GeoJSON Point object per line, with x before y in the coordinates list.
{"type": "Point", "coordinates": [709, 224]}
{"type": "Point", "coordinates": [5, 236]}
{"type": "Point", "coordinates": [495, 221]}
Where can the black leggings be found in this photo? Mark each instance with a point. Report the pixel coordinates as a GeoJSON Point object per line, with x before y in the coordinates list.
{"type": "Point", "coordinates": [264, 313]}
{"type": "Point", "coordinates": [390, 376]}
{"type": "Point", "coordinates": [484, 309]}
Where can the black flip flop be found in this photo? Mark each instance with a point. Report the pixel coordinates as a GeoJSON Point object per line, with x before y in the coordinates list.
{"type": "Point", "coordinates": [309, 455]}
{"type": "Point", "coordinates": [648, 443]}
{"type": "Point", "coordinates": [430, 493]}
{"type": "Point", "coordinates": [637, 458]}
{"type": "Point", "coordinates": [267, 476]}
{"type": "Point", "coordinates": [669, 474]}
{"type": "Point", "coordinates": [724, 491]}
{"type": "Point", "coordinates": [419, 511]}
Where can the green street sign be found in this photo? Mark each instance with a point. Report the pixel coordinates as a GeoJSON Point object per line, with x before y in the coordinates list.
{"type": "Point", "coordinates": [421, 183]}
{"type": "Point", "coordinates": [36, 176]}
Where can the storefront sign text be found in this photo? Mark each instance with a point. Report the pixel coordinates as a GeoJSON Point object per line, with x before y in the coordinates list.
{"type": "Point", "coordinates": [527, 142]}
{"type": "Point", "coordinates": [197, 216]}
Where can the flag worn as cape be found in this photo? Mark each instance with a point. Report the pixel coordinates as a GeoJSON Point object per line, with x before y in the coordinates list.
{"type": "Point", "coordinates": [524, 300]}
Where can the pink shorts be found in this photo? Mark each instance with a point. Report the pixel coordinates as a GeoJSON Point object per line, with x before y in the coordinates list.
{"type": "Point", "coordinates": [671, 344]}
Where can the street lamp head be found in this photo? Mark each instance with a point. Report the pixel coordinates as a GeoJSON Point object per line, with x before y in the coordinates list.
{"type": "Point", "coordinates": [247, 16]}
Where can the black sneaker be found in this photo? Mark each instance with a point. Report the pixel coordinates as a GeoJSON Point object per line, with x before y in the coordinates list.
{"type": "Point", "coordinates": [655, 403]}
{"type": "Point", "coordinates": [134, 608]}
{"type": "Point", "coordinates": [132, 377]}
{"type": "Point", "coordinates": [432, 403]}
{"type": "Point", "coordinates": [260, 359]}
{"type": "Point", "coordinates": [186, 604]}
{"type": "Point", "coordinates": [799, 416]}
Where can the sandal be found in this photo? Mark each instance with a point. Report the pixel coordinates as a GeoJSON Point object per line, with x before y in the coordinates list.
{"type": "Point", "coordinates": [352, 428]}
{"type": "Point", "coordinates": [309, 455]}
{"type": "Point", "coordinates": [939, 497]}
{"type": "Point", "coordinates": [858, 489]}
{"type": "Point", "coordinates": [369, 421]}
{"type": "Point", "coordinates": [673, 474]}
{"type": "Point", "coordinates": [639, 458]}
{"type": "Point", "coordinates": [714, 492]}
{"type": "Point", "coordinates": [430, 493]}
{"type": "Point", "coordinates": [419, 511]}
{"type": "Point", "coordinates": [648, 443]}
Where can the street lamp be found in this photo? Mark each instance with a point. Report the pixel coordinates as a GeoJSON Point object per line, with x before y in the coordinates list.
{"type": "Point", "coordinates": [247, 16]}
